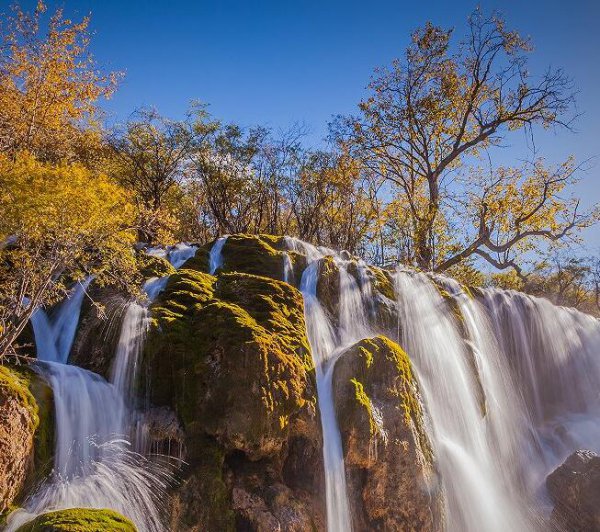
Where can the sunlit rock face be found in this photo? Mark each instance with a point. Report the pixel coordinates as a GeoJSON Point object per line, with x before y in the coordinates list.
{"type": "Point", "coordinates": [230, 355]}
{"type": "Point", "coordinates": [388, 456]}
{"type": "Point", "coordinates": [25, 432]}
{"type": "Point", "coordinates": [575, 489]}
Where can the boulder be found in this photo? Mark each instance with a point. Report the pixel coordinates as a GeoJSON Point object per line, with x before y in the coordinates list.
{"type": "Point", "coordinates": [229, 354]}
{"type": "Point", "coordinates": [79, 520]}
{"type": "Point", "coordinates": [26, 432]}
{"type": "Point", "coordinates": [575, 489]}
{"type": "Point", "coordinates": [389, 460]}
{"type": "Point", "coordinates": [99, 329]}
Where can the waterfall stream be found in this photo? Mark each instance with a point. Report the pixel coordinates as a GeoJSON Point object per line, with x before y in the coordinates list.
{"type": "Point", "coordinates": [95, 466]}
{"type": "Point", "coordinates": [509, 384]}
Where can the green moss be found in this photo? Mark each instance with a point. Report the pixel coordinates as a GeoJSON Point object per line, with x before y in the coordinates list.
{"type": "Point", "coordinates": [255, 254]}
{"type": "Point", "coordinates": [206, 481]}
{"type": "Point", "coordinates": [363, 399]}
{"type": "Point", "coordinates": [404, 387]}
{"type": "Point", "coordinates": [252, 254]}
{"type": "Point", "coordinates": [383, 282]}
{"type": "Point", "coordinates": [201, 260]}
{"type": "Point", "coordinates": [79, 520]}
{"type": "Point", "coordinates": [230, 354]}
{"type": "Point", "coordinates": [151, 266]}
{"type": "Point", "coordinates": [43, 445]}
{"type": "Point", "coordinates": [16, 381]}
{"type": "Point", "coordinates": [32, 391]}
{"type": "Point", "coordinates": [276, 305]}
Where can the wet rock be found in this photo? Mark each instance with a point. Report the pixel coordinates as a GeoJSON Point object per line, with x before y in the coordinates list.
{"type": "Point", "coordinates": [26, 435]}
{"type": "Point", "coordinates": [575, 489]}
{"type": "Point", "coordinates": [79, 520]}
{"type": "Point", "coordinates": [99, 329]}
{"type": "Point", "coordinates": [389, 462]}
{"type": "Point", "coordinates": [230, 356]}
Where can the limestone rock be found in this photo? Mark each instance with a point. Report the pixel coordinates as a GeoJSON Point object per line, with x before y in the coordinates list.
{"type": "Point", "coordinates": [575, 489]}
{"type": "Point", "coordinates": [389, 462]}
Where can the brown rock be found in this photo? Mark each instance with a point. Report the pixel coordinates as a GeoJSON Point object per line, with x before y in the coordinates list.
{"type": "Point", "coordinates": [575, 489]}
{"type": "Point", "coordinates": [389, 463]}
{"type": "Point", "coordinates": [18, 422]}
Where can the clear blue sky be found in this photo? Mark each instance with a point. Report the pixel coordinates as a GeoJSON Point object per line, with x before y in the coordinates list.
{"type": "Point", "coordinates": [277, 62]}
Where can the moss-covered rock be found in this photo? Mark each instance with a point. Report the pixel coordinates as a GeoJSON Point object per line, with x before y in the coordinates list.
{"type": "Point", "coordinates": [79, 520]}
{"type": "Point", "coordinates": [388, 457]}
{"type": "Point", "coordinates": [26, 431]}
{"type": "Point", "coordinates": [230, 355]}
{"type": "Point", "coordinates": [262, 255]}
{"type": "Point", "coordinates": [153, 266]}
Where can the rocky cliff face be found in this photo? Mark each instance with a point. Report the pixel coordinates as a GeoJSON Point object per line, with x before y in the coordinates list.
{"type": "Point", "coordinates": [575, 489]}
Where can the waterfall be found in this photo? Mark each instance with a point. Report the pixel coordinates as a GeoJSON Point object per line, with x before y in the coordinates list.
{"type": "Point", "coordinates": [215, 258]}
{"type": "Point", "coordinates": [53, 340]}
{"type": "Point", "coordinates": [179, 253]}
{"type": "Point", "coordinates": [327, 343]}
{"type": "Point", "coordinates": [288, 269]}
{"type": "Point", "coordinates": [93, 464]}
{"type": "Point", "coordinates": [553, 356]}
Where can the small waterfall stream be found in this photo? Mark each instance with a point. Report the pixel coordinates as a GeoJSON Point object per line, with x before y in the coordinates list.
{"type": "Point", "coordinates": [327, 343]}
{"type": "Point", "coordinates": [94, 464]}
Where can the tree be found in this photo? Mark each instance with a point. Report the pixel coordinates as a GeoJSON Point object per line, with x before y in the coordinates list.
{"type": "Point", "coordinates": [151, 156]}
{"type": "Point", "coordinates": [431, 117]}
{"type": "Point", "coordinates": [49, 87]}
{"type": "Point", "coordinates": [58, 223]}
{"type": "Point", "coordinates": [332, 201]}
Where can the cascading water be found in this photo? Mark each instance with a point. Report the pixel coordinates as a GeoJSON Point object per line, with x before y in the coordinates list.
{"type": "Point", "coordinates": [506, 400]}
{"type": "Point", "coordinates": [327, 343]}
{"type": "Point", "coordinates": [215, 258]}
{"type": "Point", "coordinates": [94, 465]}
{"type": "Point", "coordinates": [553, 356]}
{"type": "Point", "coordinates": [510, 386]}
{"type": "Point", "coordinates": [288, 269]}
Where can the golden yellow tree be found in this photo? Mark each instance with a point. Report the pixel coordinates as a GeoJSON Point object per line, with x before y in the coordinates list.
{"type": "Point", "coordinates": [49, 86]}
{"type": "Point", "coordinates": [430, 118]}
{"type": "Point", "coordinates": [58, 223]}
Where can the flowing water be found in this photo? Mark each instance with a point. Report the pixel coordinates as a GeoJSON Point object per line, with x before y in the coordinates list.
{"type": "Point", "coordinates": [215, 258]}
{"type": "Point", "coordinates": [509, 382]}
{"type": "Point", "coordinates": [510, 385]}
{"type": "Point", "coordinates": [94, 463]}
{"type": "Point", "coordinates": [327, 342]}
